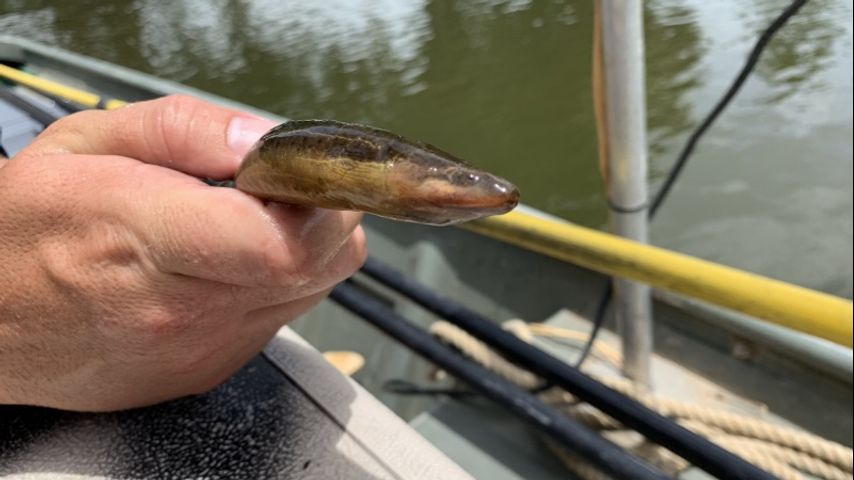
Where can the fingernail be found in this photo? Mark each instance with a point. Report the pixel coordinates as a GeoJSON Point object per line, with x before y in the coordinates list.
{"type": "Point", "coordinates": [245, 130]}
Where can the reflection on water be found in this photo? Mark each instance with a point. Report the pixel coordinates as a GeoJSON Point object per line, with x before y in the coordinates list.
{"type": "Point", "coordinates": [671, 76]}
{"type": "Point", "coordinates": [801, 51]}
{"type": "Point", "coordinates": [506, 84]}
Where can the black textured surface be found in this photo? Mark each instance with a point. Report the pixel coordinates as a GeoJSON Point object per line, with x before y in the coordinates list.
{"type": "Point", "coordinates": [256, 425]}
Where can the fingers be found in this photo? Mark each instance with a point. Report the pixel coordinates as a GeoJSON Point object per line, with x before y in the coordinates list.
{"type": "Point", "coordinates": [178, 225]}
{"type": "Point", "coordinates": [223, 235]}
{"type": "Point", "coordinates": [248, 309]}
{"type": "Point", "coordinates": [187, 228]}
{"type": "Point", "coordinates": [179, 132]}
{"type": "Point", "coordinates": [213, 233]}
{"type": "Point", "coordinates": [266, 321]}
{"type": "Point", "coordinates": [344, 264]}
{"type": "Point", "coordinates": [313, 236]}
{"type": "Point", "coordinates": [183, 226]}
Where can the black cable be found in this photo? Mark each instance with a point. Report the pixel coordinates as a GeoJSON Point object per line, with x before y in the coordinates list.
{"type": "Point", "coordinates": [405, 387]}
{"type": "Point", "coordinates": [657, 428]}
{"type": "Point", "coordinates": [599, 320]}
{"type": "Point", "coordinates": [748, 67]}
{"type": "Point", "coordinates": [688, 149]}
{"type": "Point", "coordinates": [3, 152]}
{"type": "Point", "coordinates": [600, 452]}
{"type": "Point", "coordinates": [65, 105]}
{"type": "Point", "coordinates": [400, 386]}
{"type": "Point", "coordinates": [34, 111]}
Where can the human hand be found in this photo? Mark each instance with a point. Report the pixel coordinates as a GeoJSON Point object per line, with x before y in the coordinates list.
{"type": "Point", "coordinates": [126, 281]}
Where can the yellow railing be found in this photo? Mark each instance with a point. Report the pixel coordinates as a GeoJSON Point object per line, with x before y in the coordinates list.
{"type": "Point", "coordinates": [799, 308]}
{"type": "Point", "coordinates": [808, 311]}
{"type": "Point", "coordinates": [81, 97]}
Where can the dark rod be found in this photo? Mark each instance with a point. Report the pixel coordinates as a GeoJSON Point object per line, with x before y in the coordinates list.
{"type": "Point", "coordinates": [35, 112]}
{"type": "Point", "coordinates": [701, 452]}
{"type": "Point", "coordinates": [608, 457]}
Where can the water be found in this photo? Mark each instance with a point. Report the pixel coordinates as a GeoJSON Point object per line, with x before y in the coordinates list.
{"type": "Point", "coordinates": [506, 84]}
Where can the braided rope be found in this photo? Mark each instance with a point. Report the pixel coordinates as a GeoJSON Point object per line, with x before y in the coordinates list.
{"type": "Point", "coordinates": [482, 354]}
{"type": "Point", "coordinates": [779, 450]}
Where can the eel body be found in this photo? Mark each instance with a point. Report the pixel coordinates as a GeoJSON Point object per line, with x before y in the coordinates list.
{"type": "Point", "coordinates": [346, 166]}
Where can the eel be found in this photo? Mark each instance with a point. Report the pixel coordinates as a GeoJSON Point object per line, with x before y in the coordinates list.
{"type": "Point", "coordinates": [346, 166]}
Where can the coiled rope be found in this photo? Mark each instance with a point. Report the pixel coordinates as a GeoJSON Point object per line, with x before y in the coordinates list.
{"type": "Point", "coordinates": [782, 451]}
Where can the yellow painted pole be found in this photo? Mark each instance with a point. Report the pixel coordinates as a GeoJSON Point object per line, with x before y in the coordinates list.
{"type": "Point", "coordinates": [799, 308]}
{"type": "Point", "coordinates": [81, 97]}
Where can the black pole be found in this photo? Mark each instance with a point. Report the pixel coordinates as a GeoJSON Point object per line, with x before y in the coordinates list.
{"type": "Point", "coordinates": [605, 455]}
{"type": "Point", "coordinates": [35, 112]}
{"type": "Point", "coordinates": [701, 452]}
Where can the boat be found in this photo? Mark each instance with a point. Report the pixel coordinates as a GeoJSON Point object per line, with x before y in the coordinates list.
{"type": "Point", "coordinates": [718, 336]}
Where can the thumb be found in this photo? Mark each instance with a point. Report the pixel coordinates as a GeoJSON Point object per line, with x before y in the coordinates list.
{"type": "Point", "coordinates": [180, 132]}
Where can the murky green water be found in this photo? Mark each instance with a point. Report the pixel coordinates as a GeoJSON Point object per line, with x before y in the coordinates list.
{"type": "Point", "coordinates": [506, 84]}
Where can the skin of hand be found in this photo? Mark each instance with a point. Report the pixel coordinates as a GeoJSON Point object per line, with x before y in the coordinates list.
{"type": "Point", "coordinates": [126, 281]}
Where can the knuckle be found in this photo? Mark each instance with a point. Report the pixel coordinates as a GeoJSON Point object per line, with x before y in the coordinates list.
{"type": "Point", "coordinates": [293, 273]}
{"type": "Point", "coordinates": [65, 135]}
{"type": "Point", "coordinates": [360, 248]}
{"type": "Point", "coordinates": [172, 122]}
{"type": "Point", "coordinates": [182, 112]}
{"type": "Point", "coordinates": [74, 122]}
{"type": "Point", "coordinates": [159, 323]}
{"type": "Point", "coordinates": [303, 268]}
{"type": "Point", "coordinates": [285, 265]}
{"type": "Point", "coordinates": [351, 257]}
{"type": "Point", "coordinates": [98, 261]}
{"type": "Point", "coordinates": [59, 265]}
{"type": "Point", "coordinates": [180, 105]}
{"type": "Point", "coordinates": [180, 341]}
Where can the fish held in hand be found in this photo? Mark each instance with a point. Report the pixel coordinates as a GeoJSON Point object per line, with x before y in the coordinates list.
{"type": "Point", "coordinates": [344, 166]}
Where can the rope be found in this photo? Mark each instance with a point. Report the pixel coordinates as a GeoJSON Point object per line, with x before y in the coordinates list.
{"type": "Point", "coordinates": [600, 349]}
{"type": "Point", "coordinates": [812, 463]}
{"type": "Point", "coordinates": [740, 425]}
{"type": "Point", "coordinates": [781, 451]}
{"type": "Point", "coordinates": [798, 460]}
{"type": "Point", "coordinates": [482, 354]}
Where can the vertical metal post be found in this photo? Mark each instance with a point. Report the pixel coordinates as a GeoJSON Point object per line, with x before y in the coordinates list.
{"type": "Point", "coordinates": [624, 111]}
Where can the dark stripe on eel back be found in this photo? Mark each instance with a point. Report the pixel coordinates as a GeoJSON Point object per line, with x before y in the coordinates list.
{"type": "Point", "coordinates": [359, 142]}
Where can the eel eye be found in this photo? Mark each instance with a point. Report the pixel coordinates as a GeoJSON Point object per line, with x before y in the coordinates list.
{"type": "Point", "coordinates": [464, 179]}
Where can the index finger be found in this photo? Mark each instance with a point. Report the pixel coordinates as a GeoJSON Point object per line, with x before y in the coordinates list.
{"type": "Point", "coordinates": [180, 132]}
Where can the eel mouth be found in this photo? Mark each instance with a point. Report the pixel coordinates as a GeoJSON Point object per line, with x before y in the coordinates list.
{"type": "Point", "coordinates": [451, 206]}
{"type": "Point", "coordinates": [496, 196]}
{"type": "Point", "coordinates": [503, 203]}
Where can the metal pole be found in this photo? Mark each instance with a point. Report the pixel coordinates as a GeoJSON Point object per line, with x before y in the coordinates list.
{"type": "Point", "coordinates": [622, 60]}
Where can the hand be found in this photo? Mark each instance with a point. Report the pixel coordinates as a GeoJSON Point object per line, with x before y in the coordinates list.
{"type": "Point", "coordinates": [126, 281]}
